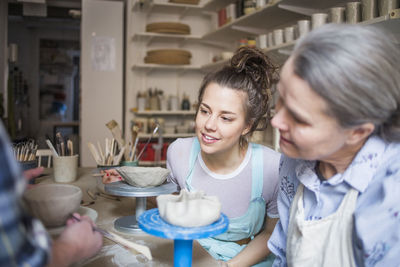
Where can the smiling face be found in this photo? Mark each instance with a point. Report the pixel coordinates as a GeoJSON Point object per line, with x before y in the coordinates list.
{"type": "Point", "coordinates": [306, 130]}
{"type": "Point", "coordinates": [220, 120]}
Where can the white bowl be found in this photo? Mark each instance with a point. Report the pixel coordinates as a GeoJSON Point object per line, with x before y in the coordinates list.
{"type": "Point", "coordinates": [53, 204]}
{"type": "Point", "coordinates": [143, 176]}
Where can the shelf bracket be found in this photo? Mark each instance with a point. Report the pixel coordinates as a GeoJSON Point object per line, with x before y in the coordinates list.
{"type": "Point", "coordinates": [252, 30]}
{"type": "Point", "coordinates": [299, 10]}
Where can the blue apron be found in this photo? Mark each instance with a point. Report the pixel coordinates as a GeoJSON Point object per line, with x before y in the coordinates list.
{"type": "Point", "coordinates": [221, 247]}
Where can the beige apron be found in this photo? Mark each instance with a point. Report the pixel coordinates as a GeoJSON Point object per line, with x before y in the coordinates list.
{"type": "Point", "coordinates": [321, 243]}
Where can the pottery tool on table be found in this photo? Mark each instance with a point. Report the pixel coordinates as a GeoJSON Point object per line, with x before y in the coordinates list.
{"type": "Point", "coordinates": [50, 145]}
{"type": "Point", "coordinates": [122, 241]}
{"type": "Point", "coordinates": [147, 143]}
{"type": "Point", "coordinates": [116, 132]}
{"type": "Point", "coordinates": [70, 147]}
{"type": "Point", "coordinates": [95, 154]}
{"type": "Point", "coordinates": [60, 144]}
{"type": "Point", "coordinates": [25, 151]}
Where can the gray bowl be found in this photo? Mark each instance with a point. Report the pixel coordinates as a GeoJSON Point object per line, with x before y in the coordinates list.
{"type": "Point", "coordinates": [143, 176]}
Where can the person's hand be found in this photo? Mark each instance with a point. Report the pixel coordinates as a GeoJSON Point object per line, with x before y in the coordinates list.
{"type": "Point", "coordinates": [79, 240]}
{"type": "Point", "coordinates": [110, 176]}
{"type": "Point", "coordinates": [32, 173]}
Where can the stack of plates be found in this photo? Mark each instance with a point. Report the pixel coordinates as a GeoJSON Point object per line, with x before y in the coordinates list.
{"type": "Point", "coordinates": [168, 27]}
{"type": "Point", "coordinates": [190, 2]}
{"type": "Point", "coordinates": [168, 56]}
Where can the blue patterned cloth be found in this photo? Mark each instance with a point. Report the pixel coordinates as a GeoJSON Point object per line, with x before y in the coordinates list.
{"type": "Point", "coordinates": [23, 240]}
{"type": "Point", "coordinates": [375, 173]}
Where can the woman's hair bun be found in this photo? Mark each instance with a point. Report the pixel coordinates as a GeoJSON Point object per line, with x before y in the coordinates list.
{"type": "Point", "coordinates": [255, 64]}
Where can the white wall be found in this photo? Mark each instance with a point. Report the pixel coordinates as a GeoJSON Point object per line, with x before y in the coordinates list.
{"type": "Point", "coordinates": [102, 90]}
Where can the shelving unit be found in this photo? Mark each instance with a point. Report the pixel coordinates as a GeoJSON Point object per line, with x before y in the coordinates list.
{"type": "Point", "coordinates": [203, 42]}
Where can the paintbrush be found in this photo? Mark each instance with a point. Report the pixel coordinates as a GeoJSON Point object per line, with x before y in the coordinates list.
{"type": "Point", "coordinates": [60, 141]}
{"type": "Point", "coordinates": [116, 132]}
{"type": "Point", "coordinates": [148, 141]}
{"type": "Point", "coordinates": [122, 241]}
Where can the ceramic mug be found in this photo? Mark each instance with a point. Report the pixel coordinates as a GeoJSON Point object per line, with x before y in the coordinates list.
{"type": "Point", "coordinates": [289, 34]}
{"type": "Point", "coordinates": [318, 19]}
{"type": "Point", "coordinates": [270, 39]}
{"type": "Point", "coordinates": [262, 41]}
{"type": "Point", "coordinates": [353, 12]}
{"type": "Point", "coordinates": [278, 36]}
{"type": "Point", "coordinates": [386, 6]}
{"type": "Point", "coordinates": [65, 169]}
{"type": "Point", "coordinates": [336, 14]}
{"type": "Point", "coordinates": [369, 9]}
{"type": "Point", "coordinates": [304, 27]}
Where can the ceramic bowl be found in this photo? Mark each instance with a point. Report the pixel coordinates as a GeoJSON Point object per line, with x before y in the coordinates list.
{"type": "Point", "coordinates": [143, 176]}
{"type": "Point", "coordinates": [53, 203]}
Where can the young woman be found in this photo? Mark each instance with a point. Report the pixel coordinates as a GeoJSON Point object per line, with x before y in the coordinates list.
{"type": "Point", "coordinates": [339, 121]}
{"type": "Point", "coordinates": [233, 103]}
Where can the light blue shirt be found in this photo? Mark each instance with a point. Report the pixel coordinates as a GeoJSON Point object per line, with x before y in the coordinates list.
{"type": "Point", "coordinates": [375, 173]}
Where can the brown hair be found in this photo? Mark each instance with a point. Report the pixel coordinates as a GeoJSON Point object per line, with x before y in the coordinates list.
{"type": "Point", "coordinates": [253, 73]}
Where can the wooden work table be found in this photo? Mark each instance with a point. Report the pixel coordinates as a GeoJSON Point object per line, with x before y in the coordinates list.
{"type": "Point", "coordinates": [110, 208]}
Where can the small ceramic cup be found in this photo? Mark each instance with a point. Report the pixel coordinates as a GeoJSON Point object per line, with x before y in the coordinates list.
{"type": "Point", "coordinates": [336, 14]}
{"type": "Point", "coordinates": [278, 36]}
{"type": "Point", "coordinates": [289, 34]}
{"type": "Point", "coordinates": [304, 27]}
{"type": "Point", "coordinates": [262, 41]}
{"type": "Point", "coordinates": [270, 39]}
{"type": "Point", "coordinates": [369, 9]}
{"type": "Point", "coordinates": [386, 6]}
{"type": "Point", "coordinates": [318, 19]}
{"type": "Point", "coordinates": [353, 12]}
{"type": "Point", "coordinates": [65, 169]}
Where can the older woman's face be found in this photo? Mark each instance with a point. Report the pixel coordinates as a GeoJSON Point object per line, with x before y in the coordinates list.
{"type": "Point", "coordinates": [305, 130]}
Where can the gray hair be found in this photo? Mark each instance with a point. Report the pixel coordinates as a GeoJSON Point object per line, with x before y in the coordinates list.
{"type": "Point", "coordinates": [356, 70]}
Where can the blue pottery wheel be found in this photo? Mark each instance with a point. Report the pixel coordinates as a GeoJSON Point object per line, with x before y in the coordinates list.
{"type": "Point", "coordinates": [151, 223]}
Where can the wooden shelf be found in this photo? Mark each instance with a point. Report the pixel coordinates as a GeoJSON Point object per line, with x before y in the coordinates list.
{"type": "Point", "coordinates": [164, 113]}
{"type": "Point", "coordinates": [164, 7]}
{"type": "Point", "coordinates": [150, 36]}
{"type": "Point", "coordinates": [144, 66]}
{"type": "Point", "coordinates": [215, 5]}
{"type": "Point", "coordinates": [260, 21]}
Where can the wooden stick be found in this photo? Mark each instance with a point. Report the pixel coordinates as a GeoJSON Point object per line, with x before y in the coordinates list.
{"type": "Point", "coordinates": [94, 152]}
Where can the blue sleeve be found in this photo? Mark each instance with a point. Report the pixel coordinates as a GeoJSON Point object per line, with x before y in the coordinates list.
{"type": "Point", "coordinates": [377, 220]}
{"type": "Point", "coordinates": [23, 240]}
{"type": "Point", "coordinates": [287, 190]}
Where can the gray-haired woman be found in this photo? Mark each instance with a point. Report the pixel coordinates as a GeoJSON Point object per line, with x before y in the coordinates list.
{"type": "Point", "coordinates": [339, 121]}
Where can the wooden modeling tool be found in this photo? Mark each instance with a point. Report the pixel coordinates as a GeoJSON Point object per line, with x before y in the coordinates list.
{"type": "Point", "coordinates": [70, 147]}
{"type": "Point", "coordinates": [94, 152]}
{"type": "Point", "coordinates": [50, 145]}
{"type": "Point", "coordinates": [60, 141]}
{"type": "Point", "coordinates": [122, 241]}
{"type": "Point", "coordinates": [116, 132]}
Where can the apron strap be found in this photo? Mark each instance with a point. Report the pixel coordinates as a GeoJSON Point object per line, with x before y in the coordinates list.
{"type": "Point", "coordinates": [194, 152]}
{"type": "Point", "coordinates": [257, 171]}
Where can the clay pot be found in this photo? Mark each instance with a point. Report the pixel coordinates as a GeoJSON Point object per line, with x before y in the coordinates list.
{"type": "Point", "coordinates": [143, 176]}
{"type": "Point", "coordinates": [53, 204]}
